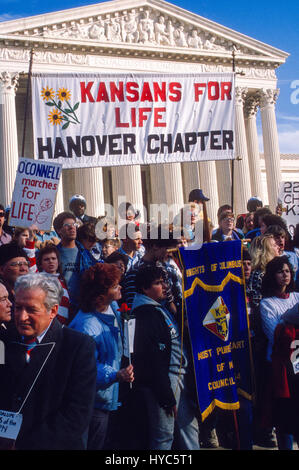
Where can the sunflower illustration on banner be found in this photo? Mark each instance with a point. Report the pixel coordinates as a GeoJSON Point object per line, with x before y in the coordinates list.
{"type": "Point", "coordinates": [63, 112]}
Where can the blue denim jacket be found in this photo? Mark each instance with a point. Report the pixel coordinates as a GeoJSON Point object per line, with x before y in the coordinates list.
{"type": "Point", "coordinates": [108, 340]}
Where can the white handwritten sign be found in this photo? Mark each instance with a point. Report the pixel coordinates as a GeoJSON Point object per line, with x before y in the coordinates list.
{"type": "Point", "coordinates": [34, 195]}
{"type": "Point", "coordinates": [288, 199]}
{"type": "Point", "coordinates": [10, 424]}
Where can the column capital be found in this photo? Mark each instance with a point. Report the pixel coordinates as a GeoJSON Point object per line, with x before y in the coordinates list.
{"type": "Point", "coordinates": [268, 96]}
{"type": "Point", "coordinates": [9, 82]}
{"type": "Point", "coordinates": [251, 106]}
{"type": "Point", "coordinates": [240, 95]}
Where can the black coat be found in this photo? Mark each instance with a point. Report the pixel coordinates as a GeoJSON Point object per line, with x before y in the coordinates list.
{"type": "Point", "coordinates": [59, 407]}
{"type": "Point", "coordinates": [152, 351]}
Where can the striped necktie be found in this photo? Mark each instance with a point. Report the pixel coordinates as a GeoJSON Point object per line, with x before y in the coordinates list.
{"type": "Point", "coordinates": [30, 344]}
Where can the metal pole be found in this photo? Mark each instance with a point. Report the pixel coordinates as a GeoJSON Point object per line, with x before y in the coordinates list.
{"type": "Point", "coordinates": [26, 101]}
{"type": "Point", "coordinates": [232, 162]}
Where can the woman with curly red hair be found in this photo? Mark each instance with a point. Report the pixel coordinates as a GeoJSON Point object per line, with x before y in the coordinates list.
{"type": "Point", "coordinates": [99, 317]}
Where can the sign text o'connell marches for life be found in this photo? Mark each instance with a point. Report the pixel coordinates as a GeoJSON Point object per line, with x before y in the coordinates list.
{"type": "Point", "coordinates": [85, 120]}
{"type": "Point", "coordinates": [34, 194]}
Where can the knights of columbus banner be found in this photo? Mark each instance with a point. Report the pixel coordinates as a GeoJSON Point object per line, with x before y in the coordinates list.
{"type": "Point", "coordinates": [215, 300]}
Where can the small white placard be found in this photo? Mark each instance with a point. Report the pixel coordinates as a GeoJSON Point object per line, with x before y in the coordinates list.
{"type": "Point", "coordinates": [10, 424]}
{"type": "Point", "coordinates": [129, 332]}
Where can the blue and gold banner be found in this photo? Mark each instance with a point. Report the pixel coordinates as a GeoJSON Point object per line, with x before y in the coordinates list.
{"type": "Point", "coordinates": [215, 302]}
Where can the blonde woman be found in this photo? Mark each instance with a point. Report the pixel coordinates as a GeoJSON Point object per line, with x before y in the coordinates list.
{"type": "Point", "coordinates": [262, 250]}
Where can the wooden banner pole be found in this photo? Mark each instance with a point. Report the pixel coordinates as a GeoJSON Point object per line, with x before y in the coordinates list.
{"type": "Point", "coordinates": [232, 162]}
{"type": "Point", "coordinates": [26, 101]}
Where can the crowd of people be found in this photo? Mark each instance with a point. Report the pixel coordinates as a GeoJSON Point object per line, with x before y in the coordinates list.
{"type": "Point", "coordinates": [65, 297]}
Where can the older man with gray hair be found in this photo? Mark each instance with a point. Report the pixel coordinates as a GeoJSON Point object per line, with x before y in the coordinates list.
{"type": "Point", "coordinates": [49, 374]}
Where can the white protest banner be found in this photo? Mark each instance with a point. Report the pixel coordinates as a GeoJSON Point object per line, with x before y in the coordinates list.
{"type": "Point", "coordinates": [10, 424]}
{"type": "Point", "coordinates": [288, 200]}
{"type": "Point", "coordinates": [34, 194]}
{"type": "Point", "coordinates": [92, 120]}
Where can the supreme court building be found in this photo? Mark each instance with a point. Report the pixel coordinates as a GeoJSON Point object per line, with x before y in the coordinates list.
{"type": "Point", "coordinates": [144, 36]}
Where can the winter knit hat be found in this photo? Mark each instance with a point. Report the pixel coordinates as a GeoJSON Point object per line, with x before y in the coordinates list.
{"type": "Point", "coordinates": [10, 251]}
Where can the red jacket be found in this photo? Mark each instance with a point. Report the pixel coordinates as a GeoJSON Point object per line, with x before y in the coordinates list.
{"type": "Point", "coordinates": [285, 381]}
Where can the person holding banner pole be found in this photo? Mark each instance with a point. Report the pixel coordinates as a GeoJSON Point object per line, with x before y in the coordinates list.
{"type": "Point", "coordinates": [196, 196]}
{"type": "Point", "coordinates": [226, 230]}
{"type": "Point", "coordinates": [163, 366]}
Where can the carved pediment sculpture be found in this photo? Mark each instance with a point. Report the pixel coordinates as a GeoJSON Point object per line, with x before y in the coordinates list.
{"type": "Point", "coordinates": [136, 26]}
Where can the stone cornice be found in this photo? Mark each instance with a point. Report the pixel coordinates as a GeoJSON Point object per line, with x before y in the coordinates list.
{"type": "Point", "coordinates": [132, 50]}
{"type": "Point", "coordinates": [17, 58]}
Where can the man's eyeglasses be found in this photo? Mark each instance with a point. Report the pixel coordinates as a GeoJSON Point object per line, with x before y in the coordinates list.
{"type": "Point", "coordinates": [229, 219]}
{"type": "Point", "coordinates": [2, 214]}
{"type": "Point", "coordinates": [18, 264]}
{"type": "Point", "coordinates": [74, 224]}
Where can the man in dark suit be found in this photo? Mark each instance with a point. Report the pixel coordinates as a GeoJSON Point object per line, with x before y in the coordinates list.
{"type": "Point", "coordinates": [49, 375]}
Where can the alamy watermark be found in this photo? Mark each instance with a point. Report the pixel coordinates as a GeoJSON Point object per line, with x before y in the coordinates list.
{"type": "Point", "coordinates": [295, 94]}
{"type": "Point", "coordinates": [295, 355]}
{"type": "Point", "coordinates": [173, 223]}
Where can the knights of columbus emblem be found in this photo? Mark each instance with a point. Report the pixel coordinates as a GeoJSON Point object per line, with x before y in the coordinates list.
{"type": "Point", "coordinates": [217, 319]}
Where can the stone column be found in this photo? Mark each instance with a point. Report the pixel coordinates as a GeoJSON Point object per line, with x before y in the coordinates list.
{"type": "Point", "coordinates": [191, 178]}
{"type": "Point", "coordinates": [69, 186]}
{"type": "Point", "coordinates": [8, 136]}
{"type": "Point", "coordinates": [224, 181]}
{"type": "Point", "coordinates": [126, 183]}
{"type": "Point", "coordinates": [89, 183]}
{"type": "Point", "coordinates": [242, 187]}
{"type": "Point", "coordinates": [133, 187]}
{"type": "Point", "coordinates": [208, 178]}
{"type": "Point", "coordinates": [268, 99]}
{"type": "Point", "coordinates": [173, 188]}
{"type": "Point", "coordinates": [250, 110]}
{"type": "Point", "coordinates": [158, 191]}
{"type": "Point", "coordinates": [59, 204]}
{"type": "Point", "coordinates": [157, 184]}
